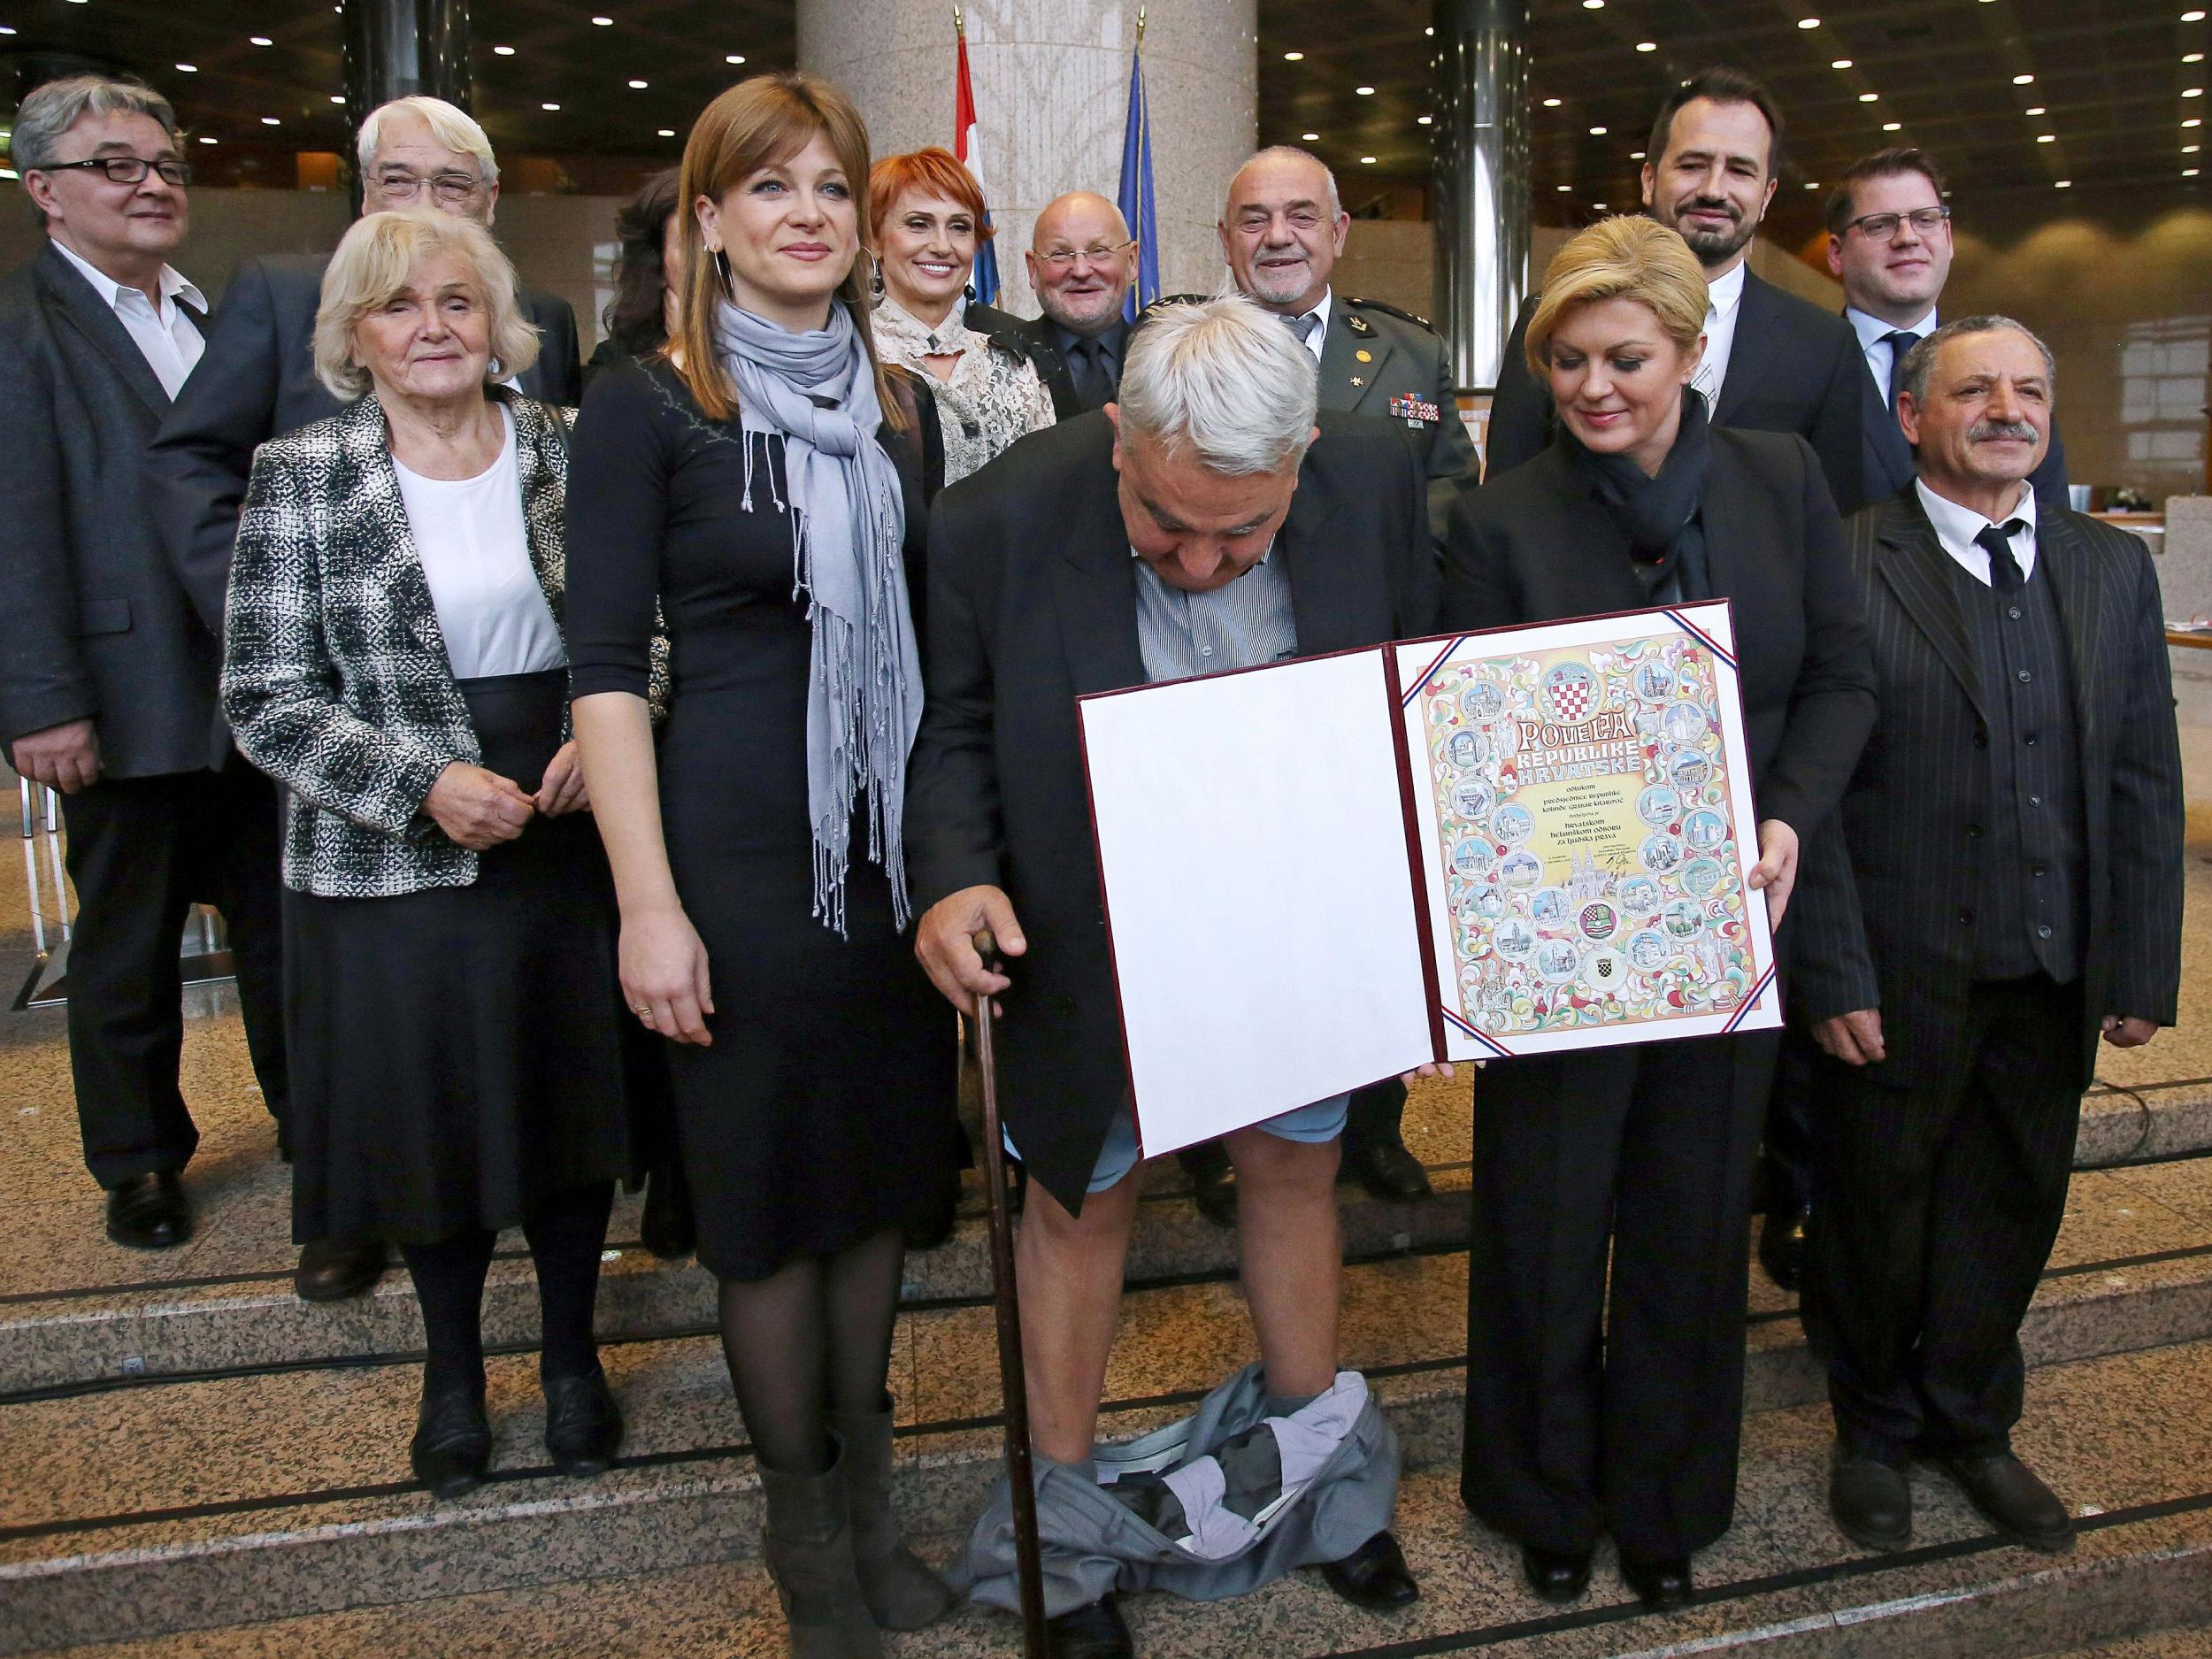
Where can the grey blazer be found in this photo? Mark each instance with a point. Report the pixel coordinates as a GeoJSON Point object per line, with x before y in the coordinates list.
{"type": "Point", "coordinates": [93, 621]}
{"type": "Point", "coordinates": [335, 671]}
{"type": "Point", "coordinates": [1882, 887]}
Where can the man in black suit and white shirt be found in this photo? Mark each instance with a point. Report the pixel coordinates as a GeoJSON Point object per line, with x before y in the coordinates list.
{"type": "Point", "coordinates": [1889, 244]}
{"type": "Point", "coordinates": [1772, 362]}
{"type": "Point", "coordinates": [1081, 262]}
{"type": "Point", "coordinates": [258, 379]}
{"type": "Point", "coordinates": [2002, 886]}
{"type": "Point", "coordinates": [107, 677]}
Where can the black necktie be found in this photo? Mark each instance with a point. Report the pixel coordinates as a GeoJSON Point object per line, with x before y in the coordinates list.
{"type": "Point", "coordinates": [1996, 541]}
{"type": "Point", "coordinates": [1899, 342]}
{"type": "Point", "coordinates": [1094, 384]}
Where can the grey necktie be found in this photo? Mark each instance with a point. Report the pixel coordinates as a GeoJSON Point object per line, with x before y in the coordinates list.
{"type": "Point", "coordinates": [1303, 325]}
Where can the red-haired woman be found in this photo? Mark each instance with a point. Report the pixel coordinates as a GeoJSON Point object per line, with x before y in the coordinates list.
{"type": "Point", "coordinates": [929, 221]}
{"type": "Point", "coordinates": [761, 480]}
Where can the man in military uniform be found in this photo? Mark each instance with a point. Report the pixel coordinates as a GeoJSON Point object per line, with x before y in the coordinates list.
{"type": "Point", "coordinates": [1283, 229]}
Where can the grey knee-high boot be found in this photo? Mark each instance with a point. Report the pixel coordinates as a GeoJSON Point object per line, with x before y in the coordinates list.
{"type": "Point", "coordinates": [809, 1549]}
{"type": "Point", "coordinates": [903, 1594]}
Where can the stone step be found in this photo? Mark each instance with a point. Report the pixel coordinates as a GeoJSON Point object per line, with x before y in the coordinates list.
{"type": "Point", "coordinates": [98, 1312]}
{"type": "Point", "coordinates": [138, 1507]}
{"type": "Point", "coordinates": [1782, 1584]}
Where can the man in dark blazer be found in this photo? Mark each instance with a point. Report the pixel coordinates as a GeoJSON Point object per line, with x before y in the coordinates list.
{"type": "Point", "coordinates": [1889, 244]}
{"type": "Point", "coordinates": [1222, 549]}
{"type": "Point", "coordinates": [259, 379]}
{"type": "Point", "coordinates": [2002, 886]}
{"type": "Point", "coordinates": [1081, 262]}
{"type": "Point", "coordinates": [1773, 362]}
{"type": "Point", "coordinates": [107, 677]}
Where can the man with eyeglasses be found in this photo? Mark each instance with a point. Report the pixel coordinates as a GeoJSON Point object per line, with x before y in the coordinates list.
{"type": "Point", "coordinates": [107, 676]}
{"type": "Point", "coordinates": [1081, 262]}
{"type": "Point", "coordinates": [257, 381]}
{"type": "Point", "coordinates": [1889, 244]}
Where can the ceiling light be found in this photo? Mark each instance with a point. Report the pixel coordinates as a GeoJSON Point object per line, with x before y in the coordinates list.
{"type": "Point", "coordinates": [1597, 207]}
{"type": "Point", "coordinates": [2035, 108]}
{"type": "Point", "coordinates": [1423, 121]}
{"type": "Point", "coordinates": [1635, 155]}
{"type": "Point", "coordinates": [2188, 172]}
{"type": "Point", "coordinates": [1566, 186]}
{"type": "Point", "coordinates": [1551, 103]}
{"type": "Point", "coordinates": [2023, 81]}
{"type": "Point", "coordinates": [1812, 184]}
{"type": "Point", "coordinates": [204, 139]}
{"type": "Point", "coordinates": [1808, 23]}
{"type": "Point", "coordinates": [550, 108]}
{"type": "Point", "coordinates": [735, 58]}
{"type": "Point", "coordinates": [1367, 161]}
{"type": "Point", "coordinates": [1841, 63]}
{"type": "Point", "coordinates": [10, 173]}
{"type": "Point", "coordinates": [2192, 92]}
{"type": "Point", "coordinates": [2193, 16]}
{"type": "Point", "coordinates": [1364, 92]}
{"type": "Point", "coordinates": [2191, 149]}
{"type": "Point", "coordinates": [667, 132]}
{"type": "Point", "coordinates": [1309, 137]}
{"type": "Point", "coordinates": [503, 51]}
{"type": "Point", "coordinates": [2187, 58]}
{"type": "Point", "coordinates": [1646, 46]}
{"type": "Point", "coordinates": [189, 69]}
{"type": "Point", "coordinates": [259, 40]}
{"type": "Point", "coordinates": [2192, 121]}
{"type": "Point", "coordinates": [1594, 5]}
{"type": "Point", "coordinates": [1293, 57]}
{"type": "Point", "coordinates": [337, 97]}
{"type": "Point", "coordinates": [604, 23]}
{"type": "Point", "coordinates": [2062, 184]}
{"type": "Point", "coordinates": [1868, 97]}
{"type": "Point", "coordinates": [637, 85]}
{"type": "Point", "coordinates": [271, 120]}
{"type": "Point", "coordinates": [2047, 138]}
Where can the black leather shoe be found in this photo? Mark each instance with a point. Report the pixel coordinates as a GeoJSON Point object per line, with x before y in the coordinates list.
{"type": "Point", "coordinates": [148, 1212]}
{"type": "Point", "coordinates": [1213, 1188]}
{"type": "Point", "coordinates": [1661, 1584]}
{"type": "Point", "coordinates": [1782, 1247]}
{"type": "Point", "coordinates": [1556, 1576]}
{"type": "Point", "coordinates": [2013, 1500]}
{"type": "Point", "coordinates": [1387, 1170]}
{"type": "Point", "coordinates": [583, 1425]}
{"type": "Point", "coordinates": [1871, 1501]}
{"type": "Point", "coordinates": [453, 1442]}
{"type": "Point", "coordinates": [1093, 1631]}
{"type": "Point", "coordinates": [1374, 1576]}
{"type": "Point", "coordinates": [667, 1227]}
{"type": "Point", "coordinates": [331, 1272]}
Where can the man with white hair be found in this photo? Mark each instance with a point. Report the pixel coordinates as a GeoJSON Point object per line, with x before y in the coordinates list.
{"type": "Point", "coordinates": [256, 380]}
{"type": "Point", "coordinates": [1209, 520]}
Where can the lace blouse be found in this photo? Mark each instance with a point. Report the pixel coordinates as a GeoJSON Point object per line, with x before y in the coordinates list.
{"type": "Point", "coordinates": [992, 398]}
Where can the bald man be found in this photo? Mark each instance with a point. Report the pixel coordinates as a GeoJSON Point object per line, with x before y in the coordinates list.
{"type": "Point", "coordinates": [1081, 261]}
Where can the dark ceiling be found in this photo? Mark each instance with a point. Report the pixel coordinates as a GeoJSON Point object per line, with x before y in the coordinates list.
{"type": "Point", "coordinates": [2108, 81]}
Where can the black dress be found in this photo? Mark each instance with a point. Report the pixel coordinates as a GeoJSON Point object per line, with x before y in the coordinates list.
{"type": "Point", "coordinates": [822, 1110]}
{"type": "Point", "coordinates": [458, 1053]}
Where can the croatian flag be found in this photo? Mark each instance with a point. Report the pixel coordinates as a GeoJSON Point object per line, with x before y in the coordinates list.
{"type": "Point", "coordinates": [967, 148]}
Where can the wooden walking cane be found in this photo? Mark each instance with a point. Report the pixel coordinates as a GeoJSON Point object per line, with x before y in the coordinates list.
{"type": "Point", "coordinates": [1012, 1381]}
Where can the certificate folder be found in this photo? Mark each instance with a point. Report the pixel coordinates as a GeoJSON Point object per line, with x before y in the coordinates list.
{"type": "Point", "coordinates": [1477, 846]}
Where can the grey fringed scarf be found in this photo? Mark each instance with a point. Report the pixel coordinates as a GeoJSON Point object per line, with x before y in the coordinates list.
{"type": "Point", "coordinates": [848, 534]}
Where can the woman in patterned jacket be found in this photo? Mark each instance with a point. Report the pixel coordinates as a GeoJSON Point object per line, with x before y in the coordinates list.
{"type": "Point", "coordinates": [395, 660]}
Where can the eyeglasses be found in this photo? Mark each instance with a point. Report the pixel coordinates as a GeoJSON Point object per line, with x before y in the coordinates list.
{"type": "Point", "coordinates": [1882, 226]}
{"type": "Point", "coordinates": [1065, 258]}
{"type": "Point", "coordinates": [449, 188]}
{"type": "Point", "coordinates": [124, 169]}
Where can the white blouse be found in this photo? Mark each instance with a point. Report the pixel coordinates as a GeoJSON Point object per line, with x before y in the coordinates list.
{"type": "Point", "coordinates": [475, 554]}
{"type": "Point", "coordinates": [992, 398]}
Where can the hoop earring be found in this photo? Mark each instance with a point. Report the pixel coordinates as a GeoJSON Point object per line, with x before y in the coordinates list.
{"type": "Point", "coordinates": [875, 276]}
{"type": "Point", "coordinates": [722, 269]}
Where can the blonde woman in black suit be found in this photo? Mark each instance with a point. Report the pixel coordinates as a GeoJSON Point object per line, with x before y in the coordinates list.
{"type": "Point", "coordinates": [1597, 1405]}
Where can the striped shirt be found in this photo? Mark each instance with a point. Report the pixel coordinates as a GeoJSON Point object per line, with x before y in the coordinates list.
{"type": "Point", "coordinates": [1243, 624]}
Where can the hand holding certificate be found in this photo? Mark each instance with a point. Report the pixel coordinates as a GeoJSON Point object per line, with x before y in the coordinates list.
{"type": "Point", "coordinates": [1489, 845]}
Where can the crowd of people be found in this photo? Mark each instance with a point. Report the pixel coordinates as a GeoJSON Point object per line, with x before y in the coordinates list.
{"type": "Point", "coordinates": [604, 769]}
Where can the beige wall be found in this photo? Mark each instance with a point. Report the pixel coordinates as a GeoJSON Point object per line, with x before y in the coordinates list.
{"type": "Point", "coordinates": [2130, 318]}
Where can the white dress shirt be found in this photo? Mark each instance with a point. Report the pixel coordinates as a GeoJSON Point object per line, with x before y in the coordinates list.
{"type": "Point", "coordinates": [475, 555]}
{"type": "Point", "coordinates": [1875, 348]}
{"type": "Point", "coordinates": [1956, 527]}
{"type": "Point", "coordinates": [167, 338]}
{"type": "Point", "coordinates": [1723, 295]}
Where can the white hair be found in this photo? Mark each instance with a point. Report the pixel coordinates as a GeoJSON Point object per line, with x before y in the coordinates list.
{"type": "Point", "coordinates": [452, 127]}
{"type": "Point", "coordinates": [1224, 379]}
{"type": "Point", "coordinates": [1290, 152]}
{"type": "Point", "coordinates": [57, 105]}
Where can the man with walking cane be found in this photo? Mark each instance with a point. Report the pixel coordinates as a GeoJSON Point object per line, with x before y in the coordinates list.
{"type": "Point", "coordinates": [1201, 523]}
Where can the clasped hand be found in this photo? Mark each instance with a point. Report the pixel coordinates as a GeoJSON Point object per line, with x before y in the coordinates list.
{"type": "Point", "coordinates": [478, 809]}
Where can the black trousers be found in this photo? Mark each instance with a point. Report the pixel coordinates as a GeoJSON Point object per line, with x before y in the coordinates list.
{"type": "Point", "coordinates": [1593, 1407]}
{"type": "Point", "coordinates": [1787, 1166]}
{"type": "Point", "coordinates": [142, 852]}
{"type": "Point", "coordinates": [1939, 1208]}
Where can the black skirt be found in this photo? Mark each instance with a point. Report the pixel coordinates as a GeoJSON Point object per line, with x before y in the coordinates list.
{"type": "Point", "coordinates": [461, 1055]}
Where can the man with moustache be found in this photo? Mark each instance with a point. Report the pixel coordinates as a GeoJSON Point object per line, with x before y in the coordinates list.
{"type": "Point", "coordinates": [1283, 228]}
{"type": "Point", "coordinates": [1772, 362]}
{"type": "Point", "coordinates": [2002, 886]}
{"type": "Point", "coordinates": [1081, 262]}
{"type": "Point", "coordinates": [1889, 244]}
{"type": "Point", "coordinates": [107, 677]}
{"type": "Point", "coordinates": [257, 381]}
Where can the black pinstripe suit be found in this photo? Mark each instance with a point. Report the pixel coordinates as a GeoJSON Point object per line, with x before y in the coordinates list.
{"type": "Point", "coordinates": [1942, 1170]}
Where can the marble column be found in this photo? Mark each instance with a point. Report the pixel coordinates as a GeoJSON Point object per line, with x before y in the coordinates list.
{"type": "Point", "coordinates": [1051, 80]}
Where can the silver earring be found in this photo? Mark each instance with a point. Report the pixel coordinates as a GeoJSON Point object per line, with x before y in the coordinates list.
{"type": "Point", "coordinates": [875, 276]}
{"type": "Point", "coordinates": [722, 269]}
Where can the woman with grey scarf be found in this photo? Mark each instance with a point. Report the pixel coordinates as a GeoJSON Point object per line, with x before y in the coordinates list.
{"type": "Point", "coordinates": [760, 482]}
